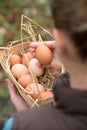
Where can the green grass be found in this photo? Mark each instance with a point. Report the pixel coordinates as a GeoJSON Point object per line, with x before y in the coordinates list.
{"type": "Point", "coordinates": [6, 107]}
{"type": "Point", "coordinates": [6, 6]}
{"type": "Point", "coordinates": [41, 3]}
{"type": "Point", "coordinates": [4, 93]}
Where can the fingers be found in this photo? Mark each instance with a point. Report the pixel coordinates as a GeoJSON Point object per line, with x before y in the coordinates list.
{"type": "Point", "coordinates": [50, 44]}
{"type": "Point", "coordinates": [17, 101]}
{"type": "Point", "coordinates": [11, 87]}
{"type": "Point", "coordinates": [33, 46]}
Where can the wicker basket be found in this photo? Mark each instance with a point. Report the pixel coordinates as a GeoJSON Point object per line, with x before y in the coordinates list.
{"type": "Point", "coordinates": [47, 80]}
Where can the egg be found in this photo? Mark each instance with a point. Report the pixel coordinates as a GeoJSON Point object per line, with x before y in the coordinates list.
{"type": "Point", "coordinates": [35, 90]}
{"type": "Point", "coordinates": [45, 95]}
{"type": "Point", "coordinates": [19, 70]}
{"type": "Point", "coordinates": [25, 80]}
{"type": "Point", "coordinates": [36, 68]}
{"type": "Point", "coordinates": [14, 59]}
{"type": "Point", "coordinates": [43, 54]}
{"type": "Point", "coordinates": [26, 58]}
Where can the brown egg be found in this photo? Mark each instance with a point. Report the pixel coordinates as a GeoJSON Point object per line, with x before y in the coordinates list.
{"type": "Point", "coordinates": [45, 95]}
{"type": "Point", "coordinates": [25, 80]}
{"type": "Point", "coordinates": [14, 59]}
{"type": "Point", "coordinates": [43, 54]}
{"type": "Point", "coordinates": [19, 70]}
{"type": "Point", "coordinates": [26, 58]}
{"type": "Point", "coordinates": [34, 91]}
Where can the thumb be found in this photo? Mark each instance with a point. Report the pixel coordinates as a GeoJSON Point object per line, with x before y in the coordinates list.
{"type": "Point", "coordinates": [17, 101]}
{"type": "Point", "coordinates": [11, 87]}
{"type": "Point", "coordinates": [50, 44]}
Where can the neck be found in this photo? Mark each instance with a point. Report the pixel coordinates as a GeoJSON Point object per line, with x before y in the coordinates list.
{"type": "Point", "coordinates": [78, 76]}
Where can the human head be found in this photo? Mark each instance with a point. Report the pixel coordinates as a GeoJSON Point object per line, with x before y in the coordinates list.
{"type": "Point", "coordinates": [70, 18]}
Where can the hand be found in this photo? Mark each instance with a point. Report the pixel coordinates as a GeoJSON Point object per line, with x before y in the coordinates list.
{"type": "Point", "coordinates": [33, 46]}
{"type": "Point", "coordinates": [17, 100]}
{"type": "Point", "coordinates": [51, 44]}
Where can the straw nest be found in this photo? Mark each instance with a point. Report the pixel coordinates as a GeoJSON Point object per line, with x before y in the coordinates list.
{"type": "Point", "coordinates": [29, 33]}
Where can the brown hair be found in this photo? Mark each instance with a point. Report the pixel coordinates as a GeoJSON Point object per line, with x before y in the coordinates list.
{"type": "Point", "coordinates": [71, 16]}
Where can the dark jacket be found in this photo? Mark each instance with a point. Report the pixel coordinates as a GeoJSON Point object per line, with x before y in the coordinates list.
{"type": "Point", "coordinates": [70, 113]}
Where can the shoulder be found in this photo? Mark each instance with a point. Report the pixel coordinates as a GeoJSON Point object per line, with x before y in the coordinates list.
{"type": "Point", "coordinates": [62, 80]}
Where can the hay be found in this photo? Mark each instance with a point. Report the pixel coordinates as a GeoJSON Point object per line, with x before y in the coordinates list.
{"type": "Point", "coordinates": [30, 32]}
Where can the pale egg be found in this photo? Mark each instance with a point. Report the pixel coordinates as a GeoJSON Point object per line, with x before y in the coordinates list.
{"type": "Point", "coordinates": [36, 67]}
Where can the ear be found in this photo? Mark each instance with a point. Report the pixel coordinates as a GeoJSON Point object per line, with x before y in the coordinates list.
{"type": "Point", "coordinates": [60, 41]}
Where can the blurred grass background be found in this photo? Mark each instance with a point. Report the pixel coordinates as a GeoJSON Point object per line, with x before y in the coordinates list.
{"type": "Point", "coordinates": [10, 18]}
